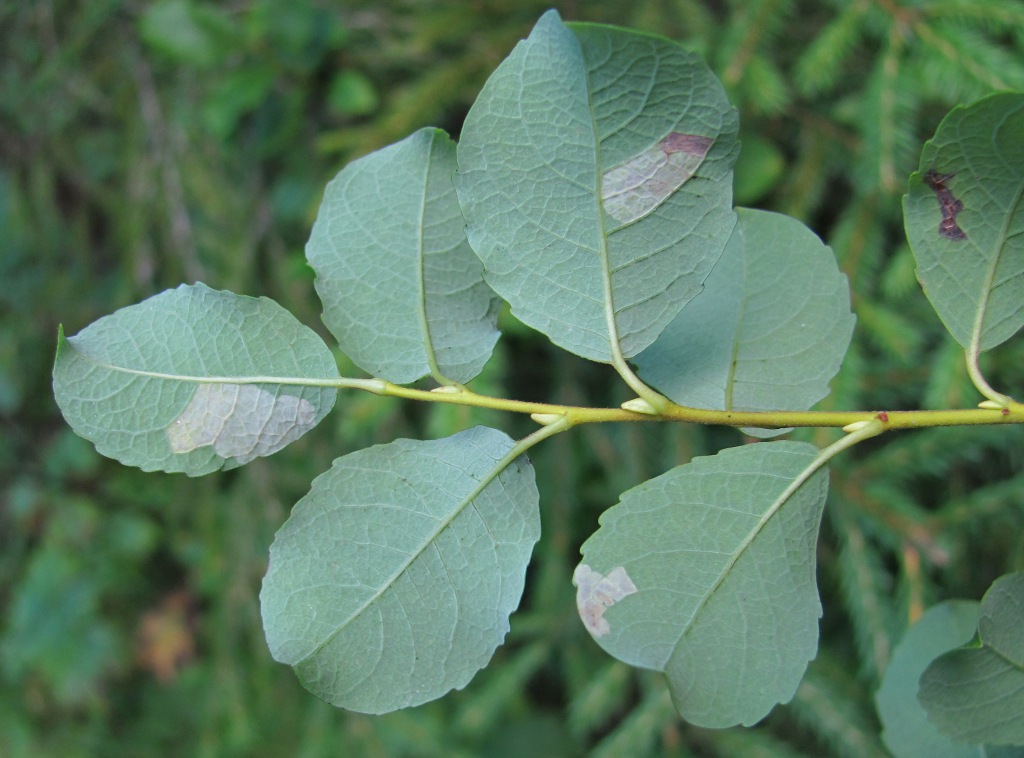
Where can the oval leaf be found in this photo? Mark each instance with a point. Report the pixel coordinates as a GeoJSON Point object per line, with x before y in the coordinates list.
{"type": "Point", "coordinates": [964, 217]}
{"type": "Point", "coordinates": [595, 174]}
{"type": "Point", "coordinates": [393, 580]}
{"type": "Point", "coordinates": [768, 332]}
{"type": "Point", "coordinates": [403, 291]}
{"type": "Point", "coordinates": [707, 573]}
{"type": "Point", "coordinates": [976, 694]}
{"type": "Point", "coordinates": [171, 383]}
{"type": "Point", "coordinates": [906, 731]}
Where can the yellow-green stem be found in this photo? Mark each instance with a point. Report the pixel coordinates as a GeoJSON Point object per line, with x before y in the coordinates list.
{"type": "Point", "coordinates": [1007, 411]}
{"type": "Point", "coordinates": [1013, 413]}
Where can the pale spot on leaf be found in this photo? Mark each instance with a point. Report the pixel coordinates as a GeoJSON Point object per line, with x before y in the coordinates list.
{"type": "Point", "coordinates": [595, 593]}
{"type": "Point", "coordinates": [635, 188]}
{"type": "Point", "coordinates": [241, 421]}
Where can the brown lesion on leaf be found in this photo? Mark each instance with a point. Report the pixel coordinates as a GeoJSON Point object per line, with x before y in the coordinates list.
{"type": "Point", "coordinates": [948, 204]}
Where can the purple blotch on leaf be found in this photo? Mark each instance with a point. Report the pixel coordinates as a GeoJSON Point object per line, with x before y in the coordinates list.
{"type": "Point", "coordinates": [948, 204]}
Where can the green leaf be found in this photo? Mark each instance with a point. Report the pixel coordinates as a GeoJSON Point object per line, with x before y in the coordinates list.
{"type": "Point", "coordinates": [768, 332]}
{"type": "Point", "coordinates": [707, 573]}
{"type": "Point", "coordinates": [393, 580]}
{"type": "Point", "coordinates": [193, 34]}
{"type": "Point", "coordinates": [976, 694]}
{"type": "Point", "coordinates": [595, 174]}
{"type": "Point", "coordinates": [239, 93]}
{"type": "Point", "coordinates": [352, 93]}
{"type": "Point", "coordinates": [402, 290]}
{"type": "Point", "coordinates": [59, 598]}
{"type": "Point", "coordinates": [964, 217]}
{"type": "Point", "coordinates": [906, 731]}
{"type": "Point", "coordinates": [760, 168]}
{"type": "Point", "coordinates": [184, 381]}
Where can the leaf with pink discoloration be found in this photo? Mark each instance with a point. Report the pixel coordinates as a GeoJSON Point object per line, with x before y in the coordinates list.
{"type": "Point", "coordinates": [595, 175]}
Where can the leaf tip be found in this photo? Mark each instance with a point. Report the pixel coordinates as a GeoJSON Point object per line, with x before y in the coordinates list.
{"type": "Point", "coordinates": [62, 344]}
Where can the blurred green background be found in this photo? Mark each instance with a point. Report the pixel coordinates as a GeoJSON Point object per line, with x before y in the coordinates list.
{"type": "Point", "coordinates": [146, 144]}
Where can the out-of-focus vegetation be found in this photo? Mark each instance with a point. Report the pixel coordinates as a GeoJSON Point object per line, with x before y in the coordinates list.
{"type": "Point", "coordinates": [145, 144]}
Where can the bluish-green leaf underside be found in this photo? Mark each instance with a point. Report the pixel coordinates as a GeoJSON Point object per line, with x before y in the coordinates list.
{"type": "Point", "coordinates": [769, 330]}
{"type": "Point", "coordinates": [403, 291]}
{"type": "Point", "coordinates": [393, 579]}
{"type": "Point", "coordinates": [595, 175]}
{"type": "Point", "coordinates": [964, 217]}
{"type": "Point", "coordinates": [707, 573]}
{"type": "Point", "coordinates": [184, 381]}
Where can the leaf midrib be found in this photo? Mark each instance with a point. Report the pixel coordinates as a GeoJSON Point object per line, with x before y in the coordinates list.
{"type": "Point", "coordinates": [421, 279]}
{"type": "Point", "coordinates": [791, 489]}
{"type": "Point", "coordinates": [188, 378]}
{"type": "Point", "coordinates": [730, 382]}
{"type": "Point", "coordinates": [990, 273]}
{"type": "Point", "coordinates": [413, 556]}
